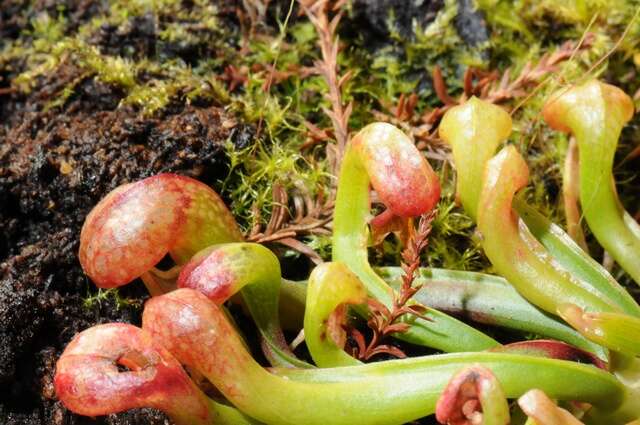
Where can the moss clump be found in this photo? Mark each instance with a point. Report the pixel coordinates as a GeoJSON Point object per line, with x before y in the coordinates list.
{"type": "Point", "coordinates": [193, 52]}
{"type": "Point", "coordinates": [188, 47]}
{"type": "Point", "coordinates": [521, 33]}
{"type": "Point", "coordinates": [107, 295]}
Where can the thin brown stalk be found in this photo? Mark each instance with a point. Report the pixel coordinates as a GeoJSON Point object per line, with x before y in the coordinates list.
{"type": "Point", "coordinates": [440, 87]}
{"type": "Point", "coordinates": [384, 321]}
{"type": "Point", "coordinates": [293, 218]}
{"type": "Point", "coordinates": [325, 16]}
{"type": "Point", "coordinates": [635, 153]}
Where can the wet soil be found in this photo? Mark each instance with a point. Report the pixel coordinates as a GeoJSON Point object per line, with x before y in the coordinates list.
{"type": "Point", "coordinates": [53, 169]}
{"type": "Point", "coordinates": [54, 166]}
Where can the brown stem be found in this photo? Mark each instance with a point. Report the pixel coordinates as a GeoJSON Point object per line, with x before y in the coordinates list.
{"type": "Point", "coordinates": [318, 13]}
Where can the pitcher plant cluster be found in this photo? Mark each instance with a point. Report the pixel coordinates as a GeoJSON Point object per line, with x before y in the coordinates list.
{"type": "Point", "coordinates": [582, 368]}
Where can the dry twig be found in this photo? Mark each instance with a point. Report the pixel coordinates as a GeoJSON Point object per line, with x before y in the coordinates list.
{"type": "Point", "coordinates": [235, 77]}
{"type": "Point", "coordinates": [487, 85]}
{"type": "Point", "coordinates": [318, 12]}
{"type": "Point", "coordinates": [311, 216]}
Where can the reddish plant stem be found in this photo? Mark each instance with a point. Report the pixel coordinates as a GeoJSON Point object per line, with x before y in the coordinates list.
{"type": "Point", "coordinates": [384, 321]}
{"type": "Point", "coordinates": [318, 13]}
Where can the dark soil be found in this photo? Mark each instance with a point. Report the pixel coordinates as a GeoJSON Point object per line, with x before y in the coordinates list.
{"type": "Point", "coordinates": [376, 16]}
{"type": "Point", "coordinates": [54, 167]}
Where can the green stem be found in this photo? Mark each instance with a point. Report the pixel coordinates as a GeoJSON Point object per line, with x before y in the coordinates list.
{"type": "Point", "coordinates": [332, 287]}
{"type": "Point", "coordinates": [617, 332]}
{"type": "Point", "coordinates": [605, 216]}
{"type": "Point", "coordinates": [474, 130]}
{"type": "Point", "coordinates": [627, 370]}
{"type": "Point", "coordinates": [514, 252]}
{"type": "Point", "coordinates": [389, 392]}
{"type": "Point", "coordinates": [595, 113]}
{"type": "Point", "coordinates": [293, 296]}
{"type": "Point", "coordinates": [573, 259]}
{"type": "Point", "coordinates": [351, 215]}
{"type": "Point", "coordinates": [487, 299]}
{"type": "Point", "coordinates": [222, 270]}
{"type": "Point", "coordinates": [224, 415]}
{"type": "Point", "coordinates": [512, 370]}
{"type": "Point", "coordinates": [571, 194]}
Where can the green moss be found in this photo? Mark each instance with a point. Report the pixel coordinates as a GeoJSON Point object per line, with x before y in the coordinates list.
{"type": "Point", "coordinates": [452, 243]}
{"type": "Point", "coordinates": [106, 295]}
{"type": "Point", "coordinates": [47, 30]}
{"type": "Point", "coordinates": [402, 66]}
{"type": "Point", "coordinates": [256, 169]}
{"type": "Point", "coordinates": [108, 69]}
{"type": "Point", "coordinates": [51, 44]}
{"type": "Point", "coordinates": [279, 115]}
{"type": "Point", "coordinates": [321, 244]}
